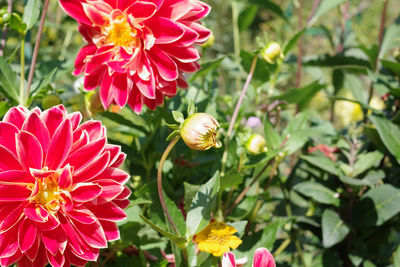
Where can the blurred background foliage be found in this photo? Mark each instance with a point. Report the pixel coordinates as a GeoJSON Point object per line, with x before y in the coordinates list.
{"type": "Point", "coordinates": [325, 193]}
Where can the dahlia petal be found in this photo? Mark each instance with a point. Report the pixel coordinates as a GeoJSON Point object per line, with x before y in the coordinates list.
{"type": "Point", "coordinates": [96, 15]}
{"type": "Point", "coordinates": [150, 103]}
{"type": "Point", "coordinates": [80, 142]}
{"type": "Point", "coordinates": [65, 180]}
{"type": "Point", "coordinates": [197, 13]}
{"type": "Point", "coordinates": [135, 100]}
{"type": "Point", "coordinates": [165, 65]}
{"type": "Point", "coordinates": [76, 260]}
{"type": "Point", "coordinates": [76, 118]}
{"type": "Point", "coordinates": [8, 161]}
{"type": "Point", "coordinates": [85, 51]}
{"type": "Point", "coordinates": [52, 117]}
{"type": "Point", "coordinates": [189, 37]}
{"type": "Point", "coordinates": [112, 173]}
{"type": "Point", "coordinates": [60, 145]}
{"type": "Point", "coordinates": [92, 170]}
{"type": "Point", "coordinates": [49, 224]}
{"type": "Point", "coordinates": [186, 54]}
{"type": "Point", "coordinates": [118, 162]}
{"type": "Point", "coordinates": [111, 230]}
{"type": "Point", "coordinates": [86, 154]}
{"type": "Point", "coordinates": [111, 189]}
{"type": "Point", "coordinates": [142, 10]}
{"type": "Point", "coordinates": [119, 86]}
{"type": "Point", "coordinates": [36, 126]}
{"type": "Point", "coordinates": [123, 204]}
{"type": "Point", "coordinates": [169, 89]}
{"type": "Point", "coordinates": [16, 116]}
{"type": "Point", "coordinates": [36, 213]}
{"type": "Point", "coordinates": [12, 213]}
{"type": "Point", "coordinates": [7, 136]}
{"type": "Point", "coordinates": [203, 32]}
{"type": "Point", "coordinates": [187, 67]}
{"type": "Point", "coordinates": [9, 243]}
{"type": "Point", "coordinates": [168, 33]}
{"type": "Point", "coordinates": [93, 234]}
{"type": "Point", "coordinates": [108, 212]}
{"type": "Point", "coordinates": [114, 151]}
{"type": "Point", "coordinates": [57, 260]}
{"type": "Point", "coordinates": [106, 95]}
{"type": "Point", "coordinates": [7, 261]}
{"type": "Point", "coordinates": [175, 10]}
{"type": "Point", "coordinates": [75, 242]}
{"type": "Point", "coordinates": [25, 262]}
{"type": "Point", "coordinates": [75, 10]}
{"type": "Point", "coordinates": [228, 260]}
{"type": "Point", "coordinates": [26, 235]}
{"type": "Point", "coordinates": [84, 192]}
{"type": "Point", "coordinates": [93, 79]}
{"type": "Point", "coordinates": [14, 192]}
{"type": "Point", "coordinates": [93, 128]}
{"type": "Point", "coordinates": [124, 194]}
{"type": "Point", "coordinates": [96, 61]}
{"type": "Point", "coordinates": [14, 177]}
{"type": "Point", "coordinates": [147, 88]}
{"type": "Point", "coordinates": [32, 252]}
{"type": "Point", "coordinates": [55, 241]}
{"type": "Point", "coordinates": [41, 259]}
{"type": "Point", "coordinates": [29, 151]}
{"type": "Point", "coordinates": [82, 215]}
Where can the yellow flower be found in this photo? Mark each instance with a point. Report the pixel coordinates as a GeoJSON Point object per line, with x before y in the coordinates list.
{"type": "Point", "coordinates": [217, 238]}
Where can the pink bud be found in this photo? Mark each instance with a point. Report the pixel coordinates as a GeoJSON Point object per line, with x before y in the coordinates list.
{"type": "Point", "coordinates": [263, 258]}
{"type": "Point", "coordinates": [228, 260]}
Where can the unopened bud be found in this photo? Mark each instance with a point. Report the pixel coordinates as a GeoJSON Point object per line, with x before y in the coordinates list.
{"type": "Point", "coordinates": [271, 52]}
{"type": "Point", "coordinates": [199, 131]}
{"type": "Point", "coordinates": [210, 41]}
{"type": "Point", "coordinates": [256, 144]}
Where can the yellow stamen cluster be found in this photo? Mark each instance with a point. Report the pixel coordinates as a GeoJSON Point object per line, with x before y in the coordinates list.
{"type": "Point", "coordinates": [120, 33]}
{"type": "Point", "coordinates": [48, 192]}
{"type": "Point", "coordinates": [217, 238]}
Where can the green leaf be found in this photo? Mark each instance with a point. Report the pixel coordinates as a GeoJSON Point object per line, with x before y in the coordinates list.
{"type": "Point", "coordinates": [263, 69]}
{"type": "Point", "coordinates": [31, 13]}
{"type": "Point", "coordinates": [118, 118]}
{"type": "Point", "coordinates": [173, 135]}
{"type": "Point", "coordinates": [273, 139]}
{"type": "Point", "coordinates": [190, 192]}
{"type": "Point", "coordinates": [318, 192]}
{"type": "Point", "coordinates": [247, 16]}
{"type": "Point", "coordinates": [357, 88]}
{"type": "Point", "coordinates": [389, 133]}
{"type": "Point", "coordinates": [140, 201]}
{"type": "Point", "coordinates": [378, 205]}
{"type": "Point", "coordinates": [392, 66]}
{"type": "Point", "coordinates": [9, 82]}
{"type": "Point", "coordinates": [371, 179]}
{"type": "Point", "coordinates": [17, 24]}
{"type": "Point", "coordinates": [178, 240]}
{"type": "Point", "coordinates": [397, 257]}
{"type": "Point", "coordinates": [239, 226]}
{"type": "Point", "coordinates": [191, 108]}
{"type": "Point", "coordinates": [178, 116]}
{"type": "Point", "coordinates": [338, 61]}
{"type": "Point", "coordinates": [292, 42]}
{"type": "Point", "coordinates": [390, 39]}
{"type": "Point", "coordinates": [324, 7]}
{"type": "Point", "coordinates": [3, 108]}
{"type": "Point", "coordinates": [323, 163]}
{"type": "Point", "coordinates": [206, 68]}
{"type": "Point", "coordinates": [298, 123]}
{"type": "Point", "coordinates": [334, 230]}
{"type": "Point", "coordinates": [366, 161]}
{"type": "Point", "coordinates": [199, 214]}
{"type": "Point", "coordinates": [42, 84]}
{"type": "Point", "coordinates": [231, 179]}
{"type": "Point", "coordinates": [270, 5]}
{"type": "Point", "coordinates": [303, 95]}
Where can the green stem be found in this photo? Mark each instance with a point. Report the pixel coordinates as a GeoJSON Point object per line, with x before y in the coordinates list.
{"type": "Point", "coordinates": [235, 114]}
{"type": "Point", "coordinates": [159, 182]}
{"type": "Point", "coordinates": [274, 77]}
{"type": "Point", "coordinates": [236, 38]}
{"type": "Point", "coordinates": [22, 74]}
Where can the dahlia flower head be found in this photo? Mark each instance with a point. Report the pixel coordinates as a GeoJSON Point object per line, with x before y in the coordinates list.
{"type": "Point", "coordinates": [138, 50]}
{"type": "Point", "coordinates": [61, 191]}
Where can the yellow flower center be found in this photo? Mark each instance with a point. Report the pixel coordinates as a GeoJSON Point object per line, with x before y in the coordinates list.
{"type": "Point", "coordinates": [48, 194]}
{"type": "Point", "coordinates": [120, 33]}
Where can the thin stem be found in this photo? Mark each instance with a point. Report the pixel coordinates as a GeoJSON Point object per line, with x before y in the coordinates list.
{"type": "Point", "coordinates": [300, 45]}
{"type": "Point", "coordinates": [282, 247]}
{"type": "Point", "coordinates": [236, 112]}
{"type": "Point", "coordinates": [5, 29]}
{"type": "Point", "coordinates": [380, 39]}
{"type": "Point", "coordinates": [22, 74]}
{"type": "Point", "coordinates": [159, 182]}
{"type": "Point", "coordinates": [36, 49]}
{"type": "Point", "coordinates": [236, 38]}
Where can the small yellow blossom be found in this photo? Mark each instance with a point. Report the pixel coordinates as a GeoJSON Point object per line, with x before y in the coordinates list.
{"type": "Point", "coordinates": [217, 238]}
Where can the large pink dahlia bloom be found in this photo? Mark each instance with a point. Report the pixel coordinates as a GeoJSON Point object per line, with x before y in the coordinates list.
{"type": "Point", "coordinates": [137, 50]}
{"type": "Point", "coordinates": [61, 191]}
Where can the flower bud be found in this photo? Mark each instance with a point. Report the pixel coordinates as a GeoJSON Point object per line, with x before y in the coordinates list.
{"type": "Point", "coordinates": [271, 52]}
{"type": "Point", "coordinates": [256, 144]}
{"type": "Point", "coordinates": [199, 131]}
{"type": "Point", "coordinates": [210, 41]}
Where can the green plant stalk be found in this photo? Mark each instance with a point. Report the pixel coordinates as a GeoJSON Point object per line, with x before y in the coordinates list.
{"type": "Point", "coordinates": [272, 81]}
{"type": "Point", "coordinates": [36, 49]}
{"type": "Point", "coordinates": [235, 114]}
{"type": "Point", "coordinates": [236, 38]}
{"type": "Point", "coordinates": [22, 74]}
{"type": "Point", "coordinates": [159, 182]}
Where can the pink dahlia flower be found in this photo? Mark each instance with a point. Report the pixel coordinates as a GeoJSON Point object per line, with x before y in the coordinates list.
{"type": "Point", "coordinates": [61, 191]}
{"type": "Point", "coordinates": [137, 50]}
{"type": "Point", "coordinates": [262, 258]}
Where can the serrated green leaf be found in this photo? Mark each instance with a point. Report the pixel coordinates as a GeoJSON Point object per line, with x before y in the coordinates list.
{"type": "Point", "coordinates": [9, 82]}
{"type": "Point", "coordinates": [31, 13]}
{"type": "Point", "coordinates": [199, 214]}
{"type": "Point", "coordinates": [318, 192]}
{"type": "Point", "coordinates": [389, 133]}
{"type": "Point", "coordinates": [366, 161]}
{"type": "Point", "coordinates": [334, 229]}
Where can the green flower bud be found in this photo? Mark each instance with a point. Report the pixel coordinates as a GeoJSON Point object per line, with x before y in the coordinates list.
{"type": "Point", "coordinates": [199, 131]}
{"type": "Point", "coordinates": [210, 41]}
{"type": "Point", "coordinates": [50, 101]}
{"type": "Point", "coordinates": [271, 52]}
{"type": "Point", "coordinates": [256, 144]}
